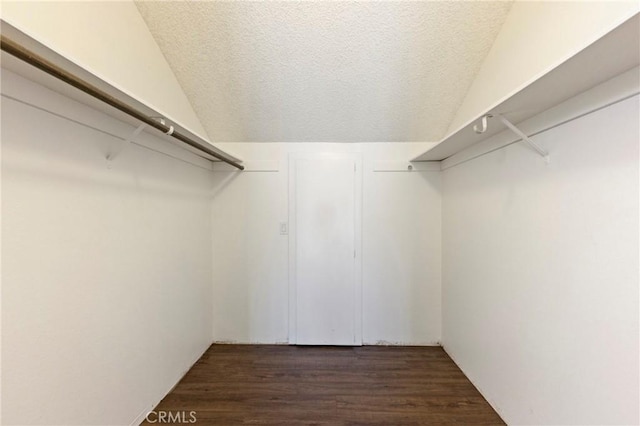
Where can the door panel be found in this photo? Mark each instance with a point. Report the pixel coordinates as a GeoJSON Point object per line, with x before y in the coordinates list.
{"type": "Point", "coordinates": [325, 248]}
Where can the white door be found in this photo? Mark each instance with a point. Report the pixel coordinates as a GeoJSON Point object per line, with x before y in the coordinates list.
{"type": "Point", "coordinates": [325, 293]}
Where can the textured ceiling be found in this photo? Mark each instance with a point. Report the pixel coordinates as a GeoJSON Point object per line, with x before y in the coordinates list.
{"type": "Point", "coordinates": [325, 71]}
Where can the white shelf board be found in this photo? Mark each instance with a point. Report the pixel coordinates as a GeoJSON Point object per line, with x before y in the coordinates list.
{"type": "Point", "coordinates": [613, 54]}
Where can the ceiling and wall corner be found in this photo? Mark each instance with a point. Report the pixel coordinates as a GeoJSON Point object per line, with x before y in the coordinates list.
{"type": "Point", "coordinates": [325, 71]}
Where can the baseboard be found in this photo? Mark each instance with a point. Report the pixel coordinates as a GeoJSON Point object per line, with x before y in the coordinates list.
{"type": "Point", "coordinates": [395, 343]}
{"type": "Point", "coordinates": [376, 343]}
{"type": "Point", "coordinates": [141, 417]}
{"type": "Point", "coordinates": [246, 343]}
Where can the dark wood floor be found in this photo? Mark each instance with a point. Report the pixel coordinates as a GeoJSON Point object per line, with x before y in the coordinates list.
{"type": "Point", "coordinates": [297, 385]}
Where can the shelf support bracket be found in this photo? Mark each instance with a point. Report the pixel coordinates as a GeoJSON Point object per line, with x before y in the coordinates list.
{"type": "Point", "coordinates": [537, 147]}
{"type": "Point", "coordinates": [112, 154]}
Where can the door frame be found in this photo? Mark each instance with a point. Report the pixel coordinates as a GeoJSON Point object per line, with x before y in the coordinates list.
{"type": "Point", "coordinates": [357, 158]}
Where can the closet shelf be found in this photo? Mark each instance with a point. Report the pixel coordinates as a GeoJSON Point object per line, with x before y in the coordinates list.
{"type": "Point", "coordinates": [39, 63]}
{"type": "Point", "coordinates": [613, 54]}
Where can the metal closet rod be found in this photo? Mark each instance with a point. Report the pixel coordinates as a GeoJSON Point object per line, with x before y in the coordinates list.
{"type": "Point", "coordinates": [41, 63]}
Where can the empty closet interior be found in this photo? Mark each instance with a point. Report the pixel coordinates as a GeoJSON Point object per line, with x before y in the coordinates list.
{"type": "Point", "coordinates": [454, 174]}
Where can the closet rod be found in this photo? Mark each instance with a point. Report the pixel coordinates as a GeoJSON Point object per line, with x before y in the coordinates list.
{"type": "Point", "coordinates": [39, 62]}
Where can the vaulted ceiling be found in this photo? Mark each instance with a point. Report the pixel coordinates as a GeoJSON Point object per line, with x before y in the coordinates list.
{"type": "Point", "coordinates": [330, 71]}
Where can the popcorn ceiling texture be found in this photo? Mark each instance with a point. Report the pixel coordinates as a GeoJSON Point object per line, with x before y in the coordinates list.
{"type": "Point", "coordinates": [325, 71]}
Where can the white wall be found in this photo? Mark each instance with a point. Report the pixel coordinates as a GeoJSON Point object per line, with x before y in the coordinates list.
{"type": "Point", "coordinates": [402, 256]}
{"type": "Point", "coordinates": [250, 290]}
{"type": "Point", "coordinates": [106, 272]}
{"type": "Point", "coordinates": [401, 246]}
{"type": "Point", "coordinates": [540, 273]}
{"type": "Point", "coordinates": [111, 40]}
{"type": "Point", "coordinates": [536, 37]}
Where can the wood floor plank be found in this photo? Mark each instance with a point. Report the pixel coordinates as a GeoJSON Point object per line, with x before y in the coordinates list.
{"type": "Point", "coordinates": [291, 385]}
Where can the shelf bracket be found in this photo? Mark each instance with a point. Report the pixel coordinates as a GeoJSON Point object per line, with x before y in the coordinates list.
{"type": "Point", "coordinates": [112, 154]}
{"type": "Point", "coordinates": [539, 149]}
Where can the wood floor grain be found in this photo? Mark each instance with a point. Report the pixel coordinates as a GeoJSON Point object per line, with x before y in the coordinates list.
{"type": "Point", "coordinates": [301, 385]}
